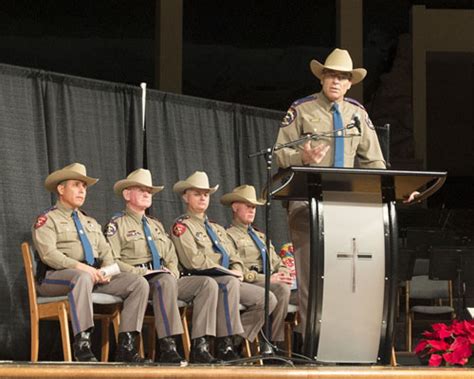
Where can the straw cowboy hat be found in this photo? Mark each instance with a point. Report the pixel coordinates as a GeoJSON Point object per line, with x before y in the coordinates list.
{"type": "Point", "coordinates": [198, 180]}
{"type": "Point", "coordinates": [73, 171]}
{"type": "Point", "coordinates": [338, 60]}
{"type": "Point", "coordinates": [244, 194]}
{"type": "Point", "coordinates": [140, 177]}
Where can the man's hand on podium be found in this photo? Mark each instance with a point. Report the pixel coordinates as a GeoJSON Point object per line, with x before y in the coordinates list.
{"type": "Point", "coordinates": [411, 198]}
{"type": "Point", "coordinates": [313, 154]}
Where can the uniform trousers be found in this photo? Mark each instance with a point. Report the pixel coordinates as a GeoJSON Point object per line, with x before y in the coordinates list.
{"type": "Point", "coordinates": [282, 292]}
{"type": "Point", "coordinates": [232, 293]}
{"type": "Point", "coordinates": [78, 286]}
{"type": "Point", "coordinates": [202, 291]}
{"type": "Point", "coordinates": [298, 222]}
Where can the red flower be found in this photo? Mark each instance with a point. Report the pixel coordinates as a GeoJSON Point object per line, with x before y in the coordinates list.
{"type": "Point", "coordinates": [435, 360]}
{"type": "Point", "coordinates": [438, 345]}
{"type": "Point", "coordinates": [452, 344]}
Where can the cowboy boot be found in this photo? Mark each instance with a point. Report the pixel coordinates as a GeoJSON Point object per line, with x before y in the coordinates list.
{"type": "Point", "coordinates": [200, 351]}
{"type": "Point", "coordinates": [225, 349]}
{"type": "Point", "coordinates": [126, 350]}
{"type": "Point", "coordinates": [82, 347]}
{"type": "Point", "coordinates": [168, 351]}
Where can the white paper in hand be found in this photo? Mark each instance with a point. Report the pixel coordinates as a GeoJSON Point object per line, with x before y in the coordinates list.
{"type": "Point", "coordinates": [110, 270]}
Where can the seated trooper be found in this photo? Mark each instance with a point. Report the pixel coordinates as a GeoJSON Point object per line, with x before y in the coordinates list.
{"type": "Point", "coordinates": [250, 243]}
{"type": "Point", "coordinates": [204, 248]}
{"type": "Point", "coordinates": [141, 245]}
{"type": "Point", "coordinates": [73, 249]}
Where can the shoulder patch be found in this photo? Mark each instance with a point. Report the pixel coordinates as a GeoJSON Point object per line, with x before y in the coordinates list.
{"type": "Point", "coordinates": [178, 229]}
{"type": "Point", "coordinates": [110, 228]}
{"type": "Point", "coordinates": [354, 102]}
{"type": "Point", "coordinates": [43, 217]}
{"type": "Point", "coordinates": [40, 221]}
{"type": "Point", "coordinates": [289, 117]}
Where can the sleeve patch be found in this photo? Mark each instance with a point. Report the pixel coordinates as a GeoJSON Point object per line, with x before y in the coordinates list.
{"type": "Point", "coordinates": [289, 117]}
{"type": "Point", "coordinates": [110, 229]}
{"type": "Point", "coordinates": [40, 221]}
{"type": "Point", "coordinates": [179, 229]}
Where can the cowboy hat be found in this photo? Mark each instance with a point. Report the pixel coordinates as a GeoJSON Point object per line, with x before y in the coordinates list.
{"type": "Point", "coordinates": [73, 171]}
{"type": "Point", "coordinates": [244, 194]}
{"type": "Point", "coordinates": [140, 177]}
{"type": "Point", "coordinates": [198, 180]}
{"type": "Point", "coordinates": [338, 60]}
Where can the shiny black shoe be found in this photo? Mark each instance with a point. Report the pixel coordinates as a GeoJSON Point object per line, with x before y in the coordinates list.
{"type": "Point", "coordinates": [82, 347]}
{"type": "Point", "coordinates": [265, 347]}
{"type": "Point", "coordinates": [225, 349]}
{"type": "Point", "coordinates": [168, 351]}
{"type": "Point", "coordinates": [200, 351]}
{"type": "Point", "coordinates": [126, 350]}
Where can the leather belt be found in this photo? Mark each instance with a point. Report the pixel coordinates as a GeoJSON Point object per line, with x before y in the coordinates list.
{"type": "Point", "coordinates": [148, 265]}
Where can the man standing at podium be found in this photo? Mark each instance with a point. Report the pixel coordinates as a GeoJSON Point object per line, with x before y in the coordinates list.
{"type": "Point", "coordinates": [343, 130]}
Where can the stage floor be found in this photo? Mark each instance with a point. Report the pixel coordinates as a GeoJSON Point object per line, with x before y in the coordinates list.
{"type": "Point", "coordinates": [118, 371]}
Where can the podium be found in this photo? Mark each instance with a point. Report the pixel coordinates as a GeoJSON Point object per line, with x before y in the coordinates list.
{"type": "Point", "coordinates": [353, 256]}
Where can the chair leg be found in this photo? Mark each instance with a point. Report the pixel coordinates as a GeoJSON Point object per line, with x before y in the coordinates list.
{"type": "Point", "coordinates": [288, 339]}
{"type": "Point", "coordinates": [116, 324]}
{"type": "Point", "coordinates": [151, 340]}
{"type": "Point", "coordinates": [409, 331]}
{"type": "Point", "coordinates": [34, 338]}
{"type": "Point", "coordinates": [247, 353]}
{"type": "Point", "coordinates": [393, 358]}
{"type": "Point", "coordinates": [63, 321]}
{"type": "Point", "coordinates": [105, 325]}
{"type": "Point", "coordinates": [185, 337]}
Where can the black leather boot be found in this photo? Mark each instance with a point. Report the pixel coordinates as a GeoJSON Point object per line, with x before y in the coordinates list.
{"type": "Point", "coordinates": [82, 347]}
{"type": "Point", "coordinates": [168, 351]}
{"type": "Point", "coordinates": [225, 349]}
{"type": "Point", "coordinates": [126, 350]}
{"type": "Point", "coordinates": [200, 351]}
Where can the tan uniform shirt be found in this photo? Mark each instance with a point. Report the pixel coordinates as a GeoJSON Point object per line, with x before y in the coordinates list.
{"type": "Point", "coordinates": [194, 247]}
{"type": "Point", "coordinates": [57, 241]}
{"type": "Point", "coordinates": [313, 114]}
{"type": "Point", "coordinates": [127, 238]}
{"type": "Point", "coordinates": [250, 254]}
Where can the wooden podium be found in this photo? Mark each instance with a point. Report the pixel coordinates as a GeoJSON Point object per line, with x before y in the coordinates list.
{"type": "Point", "coordinates": [353, 261]}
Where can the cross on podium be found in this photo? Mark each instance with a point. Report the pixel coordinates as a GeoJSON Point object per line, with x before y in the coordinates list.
{"type": "Point", "coordinates": [354, 256]}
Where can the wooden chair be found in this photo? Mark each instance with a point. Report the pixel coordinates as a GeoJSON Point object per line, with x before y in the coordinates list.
{"type": "Point", "coordinates": [435, 292]}
{"type": "Point", "coordinates": [292, 319]}
{"type": "Point", "coordinates": [57, 308]}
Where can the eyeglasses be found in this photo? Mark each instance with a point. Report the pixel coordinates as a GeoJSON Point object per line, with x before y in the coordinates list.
{"type": "Point", "coordinates": [338, 75]}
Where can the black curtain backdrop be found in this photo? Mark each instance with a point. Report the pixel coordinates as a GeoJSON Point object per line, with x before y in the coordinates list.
{"type": "Point", "coordinates": [49, 120]}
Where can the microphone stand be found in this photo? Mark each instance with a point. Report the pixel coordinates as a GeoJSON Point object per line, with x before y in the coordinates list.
{"type": "Point", "coordinates": [268, 156]}
{"type": "Point", "coordinates": [267, 153]}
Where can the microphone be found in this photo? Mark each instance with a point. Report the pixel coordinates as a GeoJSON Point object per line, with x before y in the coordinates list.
{"type": "Point", "coordinates": [355, 122]}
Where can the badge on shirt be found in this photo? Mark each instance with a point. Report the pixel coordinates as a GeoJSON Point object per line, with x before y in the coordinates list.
{"type": "Point", "coordinates": [179, 229]}
{"type": "Point", "coordinates": [199, 236]}
{"type": "Point", "coordinates": [133, 233]}
{"type": "Point", "coordinates": [289, 117]}
{"type": "Point", "coordinates": [40, 221]}
{"type": "Point", "coordinates": [110, 229]}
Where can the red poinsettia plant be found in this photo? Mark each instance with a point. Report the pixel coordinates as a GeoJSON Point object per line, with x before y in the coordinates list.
{"type": "Point", "coordinates": [447, 344]}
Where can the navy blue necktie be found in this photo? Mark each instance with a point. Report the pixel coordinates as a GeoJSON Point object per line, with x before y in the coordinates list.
{"type": "Point", "coordinates": [217, 245]}
{"type": "Point", "coordinates": [151, 245]}
{"type": "Point", "coordinates": [260, 245]}
{"type": "Point", "coordinates": [338, 137]}
{"type": "Point", "coordinates": [86, 245]}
